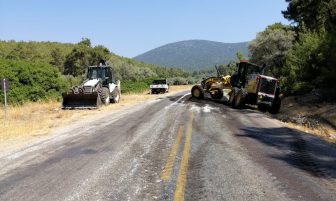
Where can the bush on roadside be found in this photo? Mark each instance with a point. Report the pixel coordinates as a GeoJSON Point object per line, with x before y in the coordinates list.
{"type": "Point", "coordinates": [135, 86]}
{"type": "Point", "coordinates": [31, 81]}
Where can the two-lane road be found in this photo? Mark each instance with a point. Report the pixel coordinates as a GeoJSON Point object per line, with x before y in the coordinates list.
{"type": "Point", "coordinates": [173, 148]}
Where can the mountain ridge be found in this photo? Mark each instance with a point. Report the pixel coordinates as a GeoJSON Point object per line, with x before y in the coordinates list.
{"type": "Point", "coordinates": [193, 54]}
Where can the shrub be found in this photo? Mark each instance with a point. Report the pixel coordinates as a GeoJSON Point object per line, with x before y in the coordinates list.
{"type": "Point", "coordinates": [31, 81]}
{"type": "Point", "coordinates": [135, 86]}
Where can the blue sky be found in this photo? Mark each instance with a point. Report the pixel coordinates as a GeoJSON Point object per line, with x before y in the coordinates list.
{"type": "Point", "coordinates": [131, 27]}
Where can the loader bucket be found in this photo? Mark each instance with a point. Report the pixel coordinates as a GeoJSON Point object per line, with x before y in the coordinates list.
{"type": "Point", "coordinates": [81, 101]}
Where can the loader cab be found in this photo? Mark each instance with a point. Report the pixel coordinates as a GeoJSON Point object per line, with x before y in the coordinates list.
{"type": "Point", "coordinates": [109, 75]}
{"type": "Point", "coordinates": [103, 73]}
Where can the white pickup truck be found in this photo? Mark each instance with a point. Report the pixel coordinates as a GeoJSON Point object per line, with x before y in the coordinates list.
{"type": "Point", "coordinates": [159, 86]}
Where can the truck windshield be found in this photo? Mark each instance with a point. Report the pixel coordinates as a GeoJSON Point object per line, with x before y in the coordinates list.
{"type": "Point", "coordinates": [159, 82]}
{"type": "Point", "coordinates": [95, 73]}
{"type": "Point", "coordinates": [253, 69]}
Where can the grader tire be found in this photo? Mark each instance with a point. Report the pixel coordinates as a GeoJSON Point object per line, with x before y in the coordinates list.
{"type": "Point", "coordinates": [231, 98]}
{"type": "Point", "coordinates": [197, 92]}
{"type": "Point", "coordinates": [217, 95]}
{"type": "Point", "coordinates": [239, 99]}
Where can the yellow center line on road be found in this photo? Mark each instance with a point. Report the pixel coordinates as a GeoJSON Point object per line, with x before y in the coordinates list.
{"type": "Point", "coordinates": [182, 175]}
{"type": "Point", "coordinates": [171, 158]}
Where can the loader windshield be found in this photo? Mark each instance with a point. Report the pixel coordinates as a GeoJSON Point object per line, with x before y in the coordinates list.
{"type": "Point", "coordinates": [95, 73]}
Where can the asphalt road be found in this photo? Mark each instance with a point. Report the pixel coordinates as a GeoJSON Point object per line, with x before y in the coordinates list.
{"type": "Point", "coordinates": [173, 148]}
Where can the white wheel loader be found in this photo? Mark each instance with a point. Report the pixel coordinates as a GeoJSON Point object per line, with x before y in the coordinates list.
{"type": "Point", "coordinates": [98, 88]}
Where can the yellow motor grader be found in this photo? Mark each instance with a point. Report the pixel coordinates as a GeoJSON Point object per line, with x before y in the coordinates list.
{"type": "Point", "coordinates": [248, 85]}
{"type": "Point", "coordinates": [213, 86]}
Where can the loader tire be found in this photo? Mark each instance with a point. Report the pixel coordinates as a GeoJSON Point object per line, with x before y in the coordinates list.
{"type": "Point", "coordinates": [197, 92]}
{"type": "Point", "coordinates": [218, 94]}
{"type": "Point", "coordinates": [116, 96]}
{"type": "Point", "coordinates": [105, 95]}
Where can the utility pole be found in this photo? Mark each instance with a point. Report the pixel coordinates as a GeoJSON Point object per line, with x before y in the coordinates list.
{"type": "Point", "coordinates": [5, 93]}
{"type": "Point", "coordinates": [5, 87]}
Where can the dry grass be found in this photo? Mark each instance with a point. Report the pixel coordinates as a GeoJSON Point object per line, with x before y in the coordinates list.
{"type": "Point", "coordinates": [321, 131]}
{"type": "Point", "coordinates": [36, 119]}
{"type": "Point", "coordinates": [324, 114]}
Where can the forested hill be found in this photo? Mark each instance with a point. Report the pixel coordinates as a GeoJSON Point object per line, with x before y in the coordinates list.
{"type": "Point", "coordinates": [43, 70]}
{"type": "Point", "coordinates": [72, 59]}
{"type": "Point", "coordinates": [194, 54]}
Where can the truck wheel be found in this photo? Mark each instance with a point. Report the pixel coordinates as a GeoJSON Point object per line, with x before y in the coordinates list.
{"type": "Point", "coordinates": [105, 95]}
{"type": "Point", "coordinates": [262, 107]}
{"type": "Point", "coordinates": [275, 108]}
{"type": "Point", "coordinates": [232, 97]}
{"type": "Point", "coordinates": [116, 96]}
{"type": "Point", "coordinates": [217, 95]}
{"type": "Point", "coordinates": [239, 99]}
{"type": "Point", "coordinates": [197, 92]}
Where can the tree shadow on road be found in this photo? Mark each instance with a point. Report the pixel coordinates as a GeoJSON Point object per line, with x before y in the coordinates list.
{"type": "Point", "coordinates": [302, 151]}
{"type": "Point", "coordinates": [297, 149]}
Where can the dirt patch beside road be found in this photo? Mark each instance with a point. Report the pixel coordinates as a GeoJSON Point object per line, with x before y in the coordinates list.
{"type": "Point", "coordinates": [38, 119]}
{"type": "Point", "coordinates": [310, 115]}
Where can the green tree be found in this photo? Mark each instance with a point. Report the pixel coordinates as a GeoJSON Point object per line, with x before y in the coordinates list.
{"type": "Point", "coordinates": [98, 54]}
{"type": "Point", "coordinates": [57, 59]}
{"type": "Point", "coordinates": [240, 56]}
{"type": "Point", "coordinates": [77, 61]}
{"type": "Point", "coordinates": [313, 14]}
{"type": "Point", "coordinates": [227, 69]}
{"type": "Point", "coordinates": [306, 64]}
{"type": "Point", "coordinates": [271, 46]}
{"type": "Point", "coordinates": [25, 51]}
{"type": "Point", "coordinates": [85, 42]}
{"type": "Point", "coordinates": [311, 63]}
{"type": "Point", "coordinates": [84, 55]}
